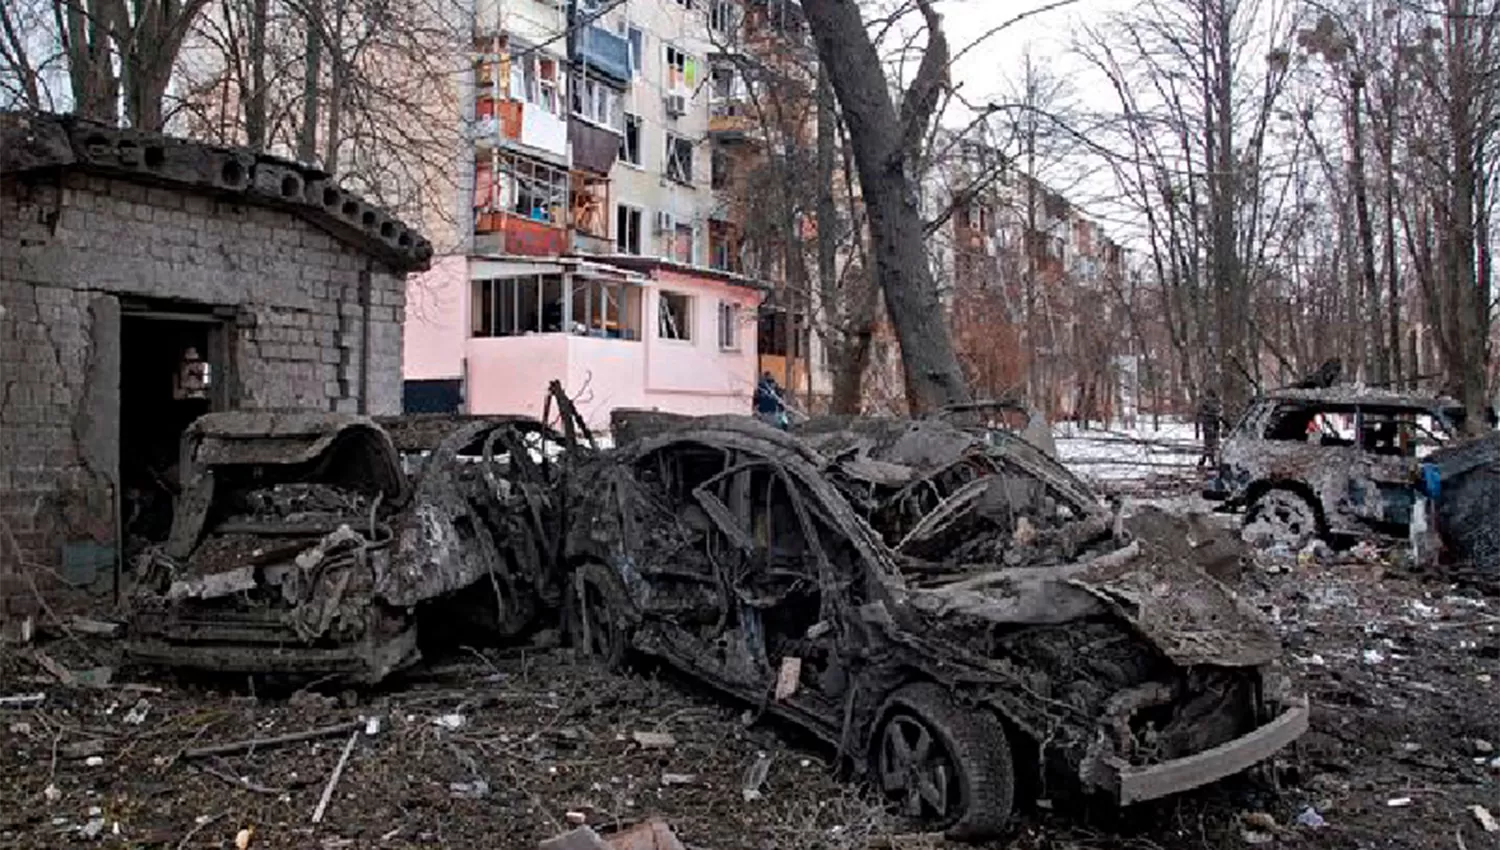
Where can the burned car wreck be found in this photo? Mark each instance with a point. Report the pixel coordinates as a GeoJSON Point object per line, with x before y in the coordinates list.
{"type": "Point", "coordinates": [1010, 635]}
{"type": "Point", "coordinates": [1330, 462]}
{"type": "Point", "coordinates": [308, 543]}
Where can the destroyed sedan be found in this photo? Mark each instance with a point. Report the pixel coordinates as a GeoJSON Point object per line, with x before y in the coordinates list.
{"type": "Point", "coordinates": [724, 548]}
{"type": "Point", "coordinates": [315, 543]}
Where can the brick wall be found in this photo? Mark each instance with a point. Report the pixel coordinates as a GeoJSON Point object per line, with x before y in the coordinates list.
{"type": "Point", "coordinates": [71, 244]}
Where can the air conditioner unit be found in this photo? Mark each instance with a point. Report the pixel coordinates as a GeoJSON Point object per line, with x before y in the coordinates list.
{"type": "Point", "coordinates": [676, 105]}
{"type": "Point", "coordinates": [665, 222]}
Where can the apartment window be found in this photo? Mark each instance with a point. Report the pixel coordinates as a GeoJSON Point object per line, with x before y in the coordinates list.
{"type": "Point", "coordinates": [682, 243]}
{"type": "Point", "coordinates": [721, 16]}
{"type": "Point", "coordinates": [637, 40]}
{"type": "Point", "coordinates": [729, 326]}
{"type": "Point", "coordinates": [597, 102]}
{"type": "Point", "coordinates": [674, 319]}
{"type": "Point", "coordinates": [630, 141]}
{"type": "Point", "coordinates": [608, 309]}
{"type": "Point", "coordinates": [514, 306]}
{"type": "Point", "coordinates": [521, 186]}
{"type": "Point", "coordinates": [533, 79]}
{"type": "Point", "coordinates": [679, 159]}
{"type": "Point", "coordinates": [628, 229]}
{"type": "Point", "coordinates": [681, 71]}
{"type": "Point", "coordinates": [686, 4]}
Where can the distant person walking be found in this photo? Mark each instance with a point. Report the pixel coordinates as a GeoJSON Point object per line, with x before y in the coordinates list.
{"type": "Point", "coordinates": [769, 406]}
{"type": "Point", "coordinates": [1210, 416]}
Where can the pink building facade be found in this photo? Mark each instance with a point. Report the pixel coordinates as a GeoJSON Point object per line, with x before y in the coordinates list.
{"type": "Point", "coordinates": [485, 335]}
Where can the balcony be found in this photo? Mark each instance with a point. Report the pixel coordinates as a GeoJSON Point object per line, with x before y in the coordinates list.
{"type": "Point", "coordinates": [595, 149]}
{"type": "Point", "coordinates": [605, 54]}
{"type": "Point", "coordinates": [497, 118]}
{"type": "Point", "coordinates": [500, 232]}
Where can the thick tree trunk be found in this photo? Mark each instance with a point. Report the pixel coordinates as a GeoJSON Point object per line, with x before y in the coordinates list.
{"type": "Point", "coordinates": [1375, 360]}
{"type": "Point", "coordinates": [94, 83]}
{"type": "Point", "coordinates": [882, 146]}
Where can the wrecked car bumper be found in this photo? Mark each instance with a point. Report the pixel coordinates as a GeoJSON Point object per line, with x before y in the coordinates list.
{"type": "Point", "coordinates": [367, 661]}
{"type": "Point", "coordinates": [1128, 784]}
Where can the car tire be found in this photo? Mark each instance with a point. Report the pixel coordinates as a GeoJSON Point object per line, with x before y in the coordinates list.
{"type": "Point", "coordinates": [1294, 518]}
{"type": "Point", "coordinates": [599, 616]}
{"type": "Point", "coordinates": [926, 747]}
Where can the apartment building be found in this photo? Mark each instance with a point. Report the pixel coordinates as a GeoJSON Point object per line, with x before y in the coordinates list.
{"type": "Point", "coordinates": [593, 257]}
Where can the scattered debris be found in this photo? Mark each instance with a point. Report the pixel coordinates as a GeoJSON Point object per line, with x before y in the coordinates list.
{"type": "Point", "coordinates": [679, 779]}
{"type": "Point", "coordinates": [582, 838]}
{"type": "Point", "coordinates": [1486, 820]}
{"type": "Point", "coordinates": [576, 818]}
{"type": "Point", "coordinates": [1253, 837]}
{"type": "Point", "coordinates": [1260, 821]}
{"type": "Point", "coordinates": [52, 793]}
{"type": "Point", "coordinates": [654, 740]}
{"type": "Point", "coordinates": [653, 834]}
{"type": "Point", "coordinates": [1398, 802]}
{"type": "Point", "coordinates": [449, 721]}
{"type": "Point", "coordinates": [1482, 747]}
{"type": "Point", "coordinates": [94, 761]}
{"type": "Point", "coordinates": [82, 749]}
{"type": "Point", "coordinates": [22, 700]}
{"type": "Point", "coordinates": [1310, 818]}
{"type": "Point", "coordinates": [755, 777]}
{"type": "Point", "coordinates": [333, 778]}
{"type": "Point", "coordinates": [242, 838]}
{"type": "Point", "coordinates": [137, 713]}
{"type": "Point", "coordinates": [96, 628]}
{"type": "Point", "coordinates": [264, 743]}
{"type": "Point", "coordinates": [474, 790]}
{"type": "Point", "coordinates": [789, 677]}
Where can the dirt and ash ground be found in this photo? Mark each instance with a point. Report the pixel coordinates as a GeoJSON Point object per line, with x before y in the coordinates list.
{"type": "Point", "coordinates": [495, 749]}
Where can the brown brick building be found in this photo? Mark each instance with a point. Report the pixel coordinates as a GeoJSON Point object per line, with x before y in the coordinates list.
{"type": "Point", "coordinates": [128, 261]}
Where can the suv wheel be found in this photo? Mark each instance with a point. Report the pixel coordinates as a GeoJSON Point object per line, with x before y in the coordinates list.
{"type": "Point", "coordinates": [1285, 516]}
{"type": "Point", "coordinates": [599, 616]}
{"type": "Point", "coordinates": [946, 766]}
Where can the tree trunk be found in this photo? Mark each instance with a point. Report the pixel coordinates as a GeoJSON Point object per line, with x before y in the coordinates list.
{"type": "Point", "coordinates": [882, 148]}
{"type": "Point", "coordinates": [307, 134]}
{"type": "Point", "coordinates": [94, 83]}
{"type": "Point", "coordinates": [1375, 360]}
{"type": "Point", "coordinates": [827, 216]}
{"type": "Point", "coordinates": [255, 104]}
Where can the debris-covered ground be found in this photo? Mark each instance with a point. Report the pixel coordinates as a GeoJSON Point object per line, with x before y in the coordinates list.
{"type": "Point", "coordinates": [505, 749]}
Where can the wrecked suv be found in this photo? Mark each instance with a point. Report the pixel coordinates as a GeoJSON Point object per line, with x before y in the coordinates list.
{"type": "Point", "coordinates": [1334, 462]}
{"type": "Point", "coordinates": [308, 543]}
{"type": "Point", "coordinates": [1062, 650]}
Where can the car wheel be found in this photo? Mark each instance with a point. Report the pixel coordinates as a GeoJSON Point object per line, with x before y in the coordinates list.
{"type": "Point", "coordinates": [946, 766]}
{"type": "Point", "coordinates": [1284, 516]}
{"type": "Point", "coordinates": [599, 615]}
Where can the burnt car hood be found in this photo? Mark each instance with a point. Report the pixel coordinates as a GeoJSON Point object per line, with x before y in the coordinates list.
{"type": "Point", "coordinates": [1190, 617]}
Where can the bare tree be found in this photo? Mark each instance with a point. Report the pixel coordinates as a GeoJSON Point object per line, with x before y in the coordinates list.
{"type": "Point", "coordinates": [884, 142]}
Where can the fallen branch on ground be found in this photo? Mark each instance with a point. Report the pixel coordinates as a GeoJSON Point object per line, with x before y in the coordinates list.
{"type": "Point", "coordinates": [263, 743]}
{"type": "Point", "coordinates": [333, 779]}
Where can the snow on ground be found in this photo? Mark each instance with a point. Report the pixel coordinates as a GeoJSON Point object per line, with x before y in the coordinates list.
{"type": "Point", "coordinates": [1138, 458]}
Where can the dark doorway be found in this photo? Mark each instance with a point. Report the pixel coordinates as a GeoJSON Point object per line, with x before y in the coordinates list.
{"type": "Point", "coordinates": [171, 364]}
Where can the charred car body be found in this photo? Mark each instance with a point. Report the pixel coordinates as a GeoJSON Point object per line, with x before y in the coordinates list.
{"type": "Point", "coordinates": [1013, 624]}
{"type": "Point", "coordinates": [1339, 461]}
{"type": "Point", "coordinates": [309, 543]}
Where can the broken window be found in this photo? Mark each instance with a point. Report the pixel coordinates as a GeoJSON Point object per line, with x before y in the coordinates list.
{"type": "Point", "coordinates": [674, 315]}
{"type": "Point", "coordinates": [679, 159]}
{"type": "Point", "coordinates": [512, 306]}
{"type": "Point", "coordinates": [520, 185]}
{"type": "Point", "coordinates": [628, 229]}
{"type": "Point", "coordinates": [630, 141]}
{"type": "Point", "coordinates": [608, 309]}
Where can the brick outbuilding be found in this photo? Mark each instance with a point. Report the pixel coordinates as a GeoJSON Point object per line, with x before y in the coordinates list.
{"type": "Point", "coordinates": [127, 262]}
